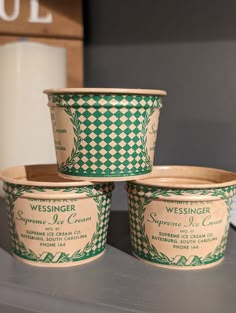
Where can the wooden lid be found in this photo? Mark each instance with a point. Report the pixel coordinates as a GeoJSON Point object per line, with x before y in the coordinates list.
{"type": "Point", "coordinates": [151, 92]}
{"type": "Point", "coordinates": [188, 177]}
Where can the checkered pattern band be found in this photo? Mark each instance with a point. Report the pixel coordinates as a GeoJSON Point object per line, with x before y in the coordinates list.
{"type": "Point", "coordinates": [103, 100]}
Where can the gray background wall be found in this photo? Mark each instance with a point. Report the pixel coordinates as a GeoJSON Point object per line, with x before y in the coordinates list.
{"type": "Point", "coordinates": [187, 47]}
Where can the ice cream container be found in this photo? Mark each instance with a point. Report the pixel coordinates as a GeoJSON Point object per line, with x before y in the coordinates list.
{"type": "Point", "coordinates": [104, 134]}
{"type": "Point", "coordinates": [55, 222]}
{"type": "Point", "coordinates": [179, 216]}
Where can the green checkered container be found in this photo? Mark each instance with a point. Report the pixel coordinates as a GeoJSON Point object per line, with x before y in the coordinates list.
{"type": "Point", "coordinates": [55, 222]}
{"type": "Point", "coordinates": [105, 134]}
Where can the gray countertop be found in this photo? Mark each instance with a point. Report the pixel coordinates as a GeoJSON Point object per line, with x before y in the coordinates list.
{"type": "Point", "coordinates": [116, 282]}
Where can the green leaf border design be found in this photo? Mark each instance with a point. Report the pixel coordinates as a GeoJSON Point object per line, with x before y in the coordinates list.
{"type": "Point", "coordinates": [143, 138]}
{"type": "Point", "coordinates": [13, 192]}
{"type": "Point", "coordinates": [71, 160]}
{"type": "Point", "coordinates": [151, 253]}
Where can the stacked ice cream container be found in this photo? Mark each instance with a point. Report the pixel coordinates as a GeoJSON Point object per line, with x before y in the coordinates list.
{"type": "Point", "coordinates": [58, 215]}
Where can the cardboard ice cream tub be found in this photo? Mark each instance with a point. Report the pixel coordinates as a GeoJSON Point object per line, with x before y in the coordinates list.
{"type": "Point", "coordinates": [53, 222]}
{"type": "Point", "coordinates": [179, 216]}
{"type": "Point", "coordinates": [104, 134]}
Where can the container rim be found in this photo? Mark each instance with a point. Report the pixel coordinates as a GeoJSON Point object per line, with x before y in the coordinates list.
{"type": "Point", "coordinates": [106, 91]}
{"type": "Point", "coordinates": [44, 175]}
{"type": "Point", "coordinates": [188, 177]}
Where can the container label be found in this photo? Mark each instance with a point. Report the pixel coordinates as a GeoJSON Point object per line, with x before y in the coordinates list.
{"type": "Point", "coordinates": [180, 233]}
{"type": "Point", "coordinates": [58, 230]}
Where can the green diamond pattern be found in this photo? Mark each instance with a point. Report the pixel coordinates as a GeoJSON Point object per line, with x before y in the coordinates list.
{"type": "Point", "coordinates": [104, 214]}
{"type": "Point", "coordinates": [113, 133]}
{"type": "Point", "coordinates": [138, 245]}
